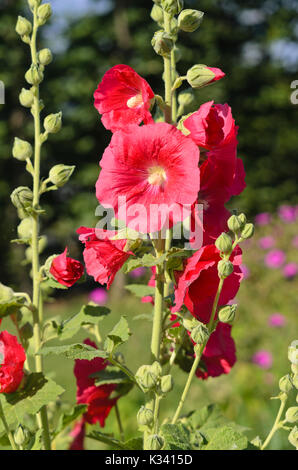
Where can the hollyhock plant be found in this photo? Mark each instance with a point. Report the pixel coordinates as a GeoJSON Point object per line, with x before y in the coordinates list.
{"type": "Point", "coordinates": [276, 320]}
{"type": "Point", "coordinates": [266, 242]}
{"type": "Point", "coordinates": [287, 213]}
{"type": "Point", "coordinates": [264, 218]}
{"type": "Point", "coordinates": [67, 271]}
{"type": "Point", "coordinates": [263, 359]}
{"type": "Point", "coordinates": [99, 296]}
{"type": "Point", "coordinates": [155, 169]}
{"type": "Point", "coordinates": [12, 358]}
{"type": "Point", "coordinates": [290, 270]}
{"type": "Point", "coordinates": [275, 259]}
{"type": "Point", "coordinates": [123, 98]}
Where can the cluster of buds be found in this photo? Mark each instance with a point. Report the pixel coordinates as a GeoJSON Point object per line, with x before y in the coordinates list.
{"type": "Point", "coordinates": [150, 378]}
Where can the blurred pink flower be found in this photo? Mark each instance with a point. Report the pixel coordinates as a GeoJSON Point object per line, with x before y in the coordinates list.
{"type": "Point", "coordinates": [295, 241]}
{"type": "Point", "coordinates": [99, 296]}
{"type": "Point", "coordinates": [262, 359]}
{"type": "Point", "coordinates": [276, 320]}
{"type": "Point", "coordinates": [275, 259]}
{"type": "Point", "coordinates": [138, 272]}
{"type": "Point", "coordinates": [290, 270]}
{"type": "Point", "coordinates": [266, 242]}
{"type": "Point", "coordinates": [245, 271]}
{"type": "Point", "coordinates": [287, 213]}
{"type": "Point", "coordinates": [263, 219]}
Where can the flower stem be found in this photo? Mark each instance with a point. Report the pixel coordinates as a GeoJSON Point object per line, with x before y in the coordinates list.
{"type": "Point", "coordinates": [168, 74]}
{"type": "Point", "coordinates": [6, 427]}
{"type": "Point", "coordinates": [276, 424]}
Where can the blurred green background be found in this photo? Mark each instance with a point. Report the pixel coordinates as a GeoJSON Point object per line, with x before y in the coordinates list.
{"type": "Point", "coordinates": [255, 43]}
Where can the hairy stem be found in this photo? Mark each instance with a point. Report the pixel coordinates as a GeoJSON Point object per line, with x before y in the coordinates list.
{"type": "Point", "coordinates": [276, 424]}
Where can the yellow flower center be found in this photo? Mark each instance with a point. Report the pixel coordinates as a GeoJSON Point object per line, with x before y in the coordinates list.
{"type": "Point", "coordinates": [135, 101]}
{"type": "Point", "coordinates": [157, 175]}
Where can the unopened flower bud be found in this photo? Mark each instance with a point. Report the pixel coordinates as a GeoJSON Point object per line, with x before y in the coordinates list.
{"type": "Point", "coordinates": [21, 149]}
{"type": "Point", "coordinates": [234, 223]}
{"type": "Point", "coordinates": [60, 174]}
{"type": "Point", "coordinates": [25, 228]}
{"type": "Point", "coordinates": [53, 123]}
{"type": "Point", "coordinates": [44, 13]}
{"type": "Point", "coordinates": [189, 323]}
{"type": "Point", "coordinates": [200, 334]}
{"type": "Point", "coordinates": [157, 15]}
{"type": "Point", "coordinates": [248, 231]}
{"type": "Point", "coordinates": [6, 293]}
{"type": "Point", "coordinates": [293, 353]}
{"type": "Point", "coordinates": [293, 437]}
{"type": "Point", "coordinates": [145, 377]}
{"type": "Point", "coordinates": [242, 218]}
{"type": "Point", "coordinates": [199, 76]}
{"type": "Point", "coordinates": [224, 268]}
{"type": "Point", "coordinates": [224, 243]}
{"type": "Point", "coordinates": [156, 369]}
{"type": "Point", "coordinates": [189, 20]}
{"type": "Point", "coordinates": [286, 384]}
{"type": "Point", "coordinates": [173, 7]}
{"type": "Point", "coordinates": [292, 414]}
{"type": "Point", "coordinates": [227, 313]}
{"type": "Point", "coordinates": [34, 76]}
{"type": "Point", "coordinates": [23, 26]}
{"type": "Point", "coordinates": [22, 198]}
{"type": "Point", "coordinates": [33, 3]}
{"type": "Point", "coordinates": [144, 416]}
{"type": "Point", "coordinates": [166, 384]}
{"type": "Point", "coordinates": [162, 43]}
{"type": "Point", "coordinates": [26, 98]}
{"type": "Point", "coordinates": [154, 442]}
{"type": "Point", "coordinates": [45, 57]}
{"type": "Point", "coordinates": [21, 436]}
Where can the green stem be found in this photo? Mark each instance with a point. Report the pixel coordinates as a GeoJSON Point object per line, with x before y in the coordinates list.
{"type": "Point", "coordinates": [7, 430]}
{"type": "Point", "coordinates": [118, 417]}
{"type": "Point", "coordinates": [156, 413]}
{"type": "Point", "coordinates": [168, 75]}
{"type": "Point", "coordinates": [276, 424]}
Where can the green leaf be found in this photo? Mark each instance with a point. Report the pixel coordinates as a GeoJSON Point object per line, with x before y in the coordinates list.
{"type": "Point", "coordinates": [136, 443]}
{"type": "Point", "coordinates": [88, 315]}
{"type": "Point", "coordinates": [147, 261]}
{"type": "Point", "coordinates": [140, 290]}
{"type": "Point", "coordinates": [73, 351]}
{"type": "Point", "coordinates": [38, 391]}
{"type": "Point", "coordinates": [67, 418]}
{"type": "Point", "coordinates": [176, 436]}
{"type": "Point", "coordinates": [119, 335]}
{"type": "Point", "coordinates": [10, 307]}
{"type": "Point", "coordinates": [110, 375]}
{"type": "Point", "coordinates": [50, 282]}
{"type": "Point", "coordinates": [227, 438]}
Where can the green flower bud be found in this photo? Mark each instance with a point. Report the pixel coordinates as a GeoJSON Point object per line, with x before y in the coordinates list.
{"type": "Point", "coordinates": [224, 243]}
{"type": "Point", "coordinates": [166, 384]}
{"type": "Point", "coordinates": [26, 98]}
{"type": "Point", "coordinates": [145, 416]}
{"type": "Point", "coordinates": [154, 442]}
{"type": "Point", "coordinates": [186, 97]}
{"type": "Point", "coordinates": [21, 436]}
{"type": "Point", "coordinates": [224, 268]}
{"type": "Point", "coordinates": [173, 7]}
{"type": "Point", "coordinates": [189, 322]}
{"type": "Point", "coordinates": [200, 334]}
{"type": "Point", "coordinates": [22, 198]}
{"type": "Point", "coordinates": [248, 231]}
{"type": "Point", "coordinates": [293, 437]}
{"type": "Point", "coordinates": [23, 26]}
{"type": "Point", "coordinates": [60, 174]}
{"type": "Point", "coordinates": [242, 218]}
{"type": "Point", "coordinates": [21, 149]}
{"type": "Point", "coordinates": [293, 353]}
{"type": "Point", "coordinates": [162, 43]}
{"type": "Point", "coordinates": [45, 57]}
{"type": "Point", "coordinates": [34, 75]}
{"type": "Point", "coordinates": [234, 224]}
{"type": "Point", "coordinates": [292, 414]}
{"type": "Point", "coordinates": [146, 378]}
{"type": "Point", "coordinates": [157, 15]}
{"type": "Point", "coordinates": [190, 20]}
{"type": "Point", "coordinates": [199, 76]}
{"type": "Point", "coordinates": [53, 123]}
{"type": "Point", "coordinates": [227, 313]}
{"type": "Point", "coordinates": [44, 13]}
{"type": "Point", "coordinates": [25, 228]}
{"type": "Point", "coordinates": [6, 293]}
{"type": "Point", "coordinates": [286, 384]}
{"type": "Point", "coordinates": [156, 369]}
{"type": "Point", "coordinates": [33, 3]}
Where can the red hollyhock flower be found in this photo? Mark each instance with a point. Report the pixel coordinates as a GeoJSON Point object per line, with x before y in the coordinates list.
{"type": "Point", "coordinates": [97, 398]}
{"type": "Point", "coordinates": [103, 257]}
{"type": "Point", "coordinates": [12, 358]}
{"type": "Point", "coordinates": [197, 284]}
{"type": "Point", "coordinates": [219, 355]}
{"type": "Point", "coordinates": [155, 169]}
{"type": "Point", "coordinates": [218, 74]}
{"type": "Point", "coordinates": [66, 270]}
{"type": "Point", "coordinates": [123, 97]}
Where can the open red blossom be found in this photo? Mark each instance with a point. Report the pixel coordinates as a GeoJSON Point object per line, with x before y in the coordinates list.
{"type": "Point", "coordinates": [66, 270]}
{"type": "Point", "coordinates": [12, 358]}
{"type": "Point", "coordinates": [219, 355]}
{"type": "Point", "coordinates": [123, 97]}
{"type": "Point", "coordinates": [197, 284]}
{"type": "Point", "coordinates": [154, 171]}
{"type": "Point", "coordinates": [103, 256]}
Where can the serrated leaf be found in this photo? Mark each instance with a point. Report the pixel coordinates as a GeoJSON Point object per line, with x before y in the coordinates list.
{"type": "Point", "coordinates": [67, 418]}
{"type": "Point", "coordinates": [176, 436]}
{"type": "Point", "coordinates": [119, 335]}
{"type": "Point", "coordinates": [88, 315]}
{"type": "Point", "coordinates": [73, 351]}
{"type": "Point", "coordinates": [140, 290]}
{"type": "Point", "coordinates": [110, 375]}
{"type": "Point", "coordinates": [147, 261]}
{"type": "Point", "coordinates": [38, 391]}
{"type": "Point", "coordinates": [227, 438]}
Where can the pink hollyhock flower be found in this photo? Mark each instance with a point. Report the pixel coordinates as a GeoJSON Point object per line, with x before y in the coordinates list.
{"type": "Point", "coordinates": [103, 257]}
{"type": "Point", "coordinates": [219, 355]}
{"type": "Point", "coordinates": [290, 270]}
{"type": "Point", "coordinates": [287, 213]}
{"type": "Point", "coordinates": [123, 98]}
{"type": "Point", "coordinates": [149, 174]}
{"type": "Point", "coordinates": [66, 270]}
{"type": "Point", "coordinates": [197, 284]}
{"type": "Point", "coordinates": [12, 358]}
{"type": "Point", "coordinates": [262, 359]}
{"type": "Point", "coordinates": [275, 259]}
{"type": "Point", "coordinates": [137, 273]}
{"type": "Point", "coordinates": [245, 271]}
{"type": "Point", "coordinates": [266, 242]}
{"type": "Point", "coordinates": [263, 219]}
{"type": "Point", "coordinates": [276, 320]}
{"type": "Point", "coordinates": [99, 296]}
